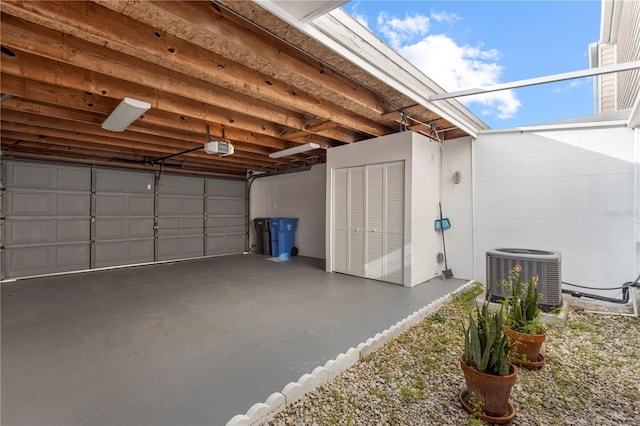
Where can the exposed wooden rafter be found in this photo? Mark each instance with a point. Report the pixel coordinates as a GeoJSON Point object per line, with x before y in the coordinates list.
{"type": "Point", "coordinates": [66, 65]}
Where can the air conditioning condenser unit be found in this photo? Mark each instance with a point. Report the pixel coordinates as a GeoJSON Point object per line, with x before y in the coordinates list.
{"type": "Point", "coordinates": [544, 264]}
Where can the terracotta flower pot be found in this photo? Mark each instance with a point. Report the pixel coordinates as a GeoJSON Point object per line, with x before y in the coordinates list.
{"type": "Point", "coordinates": [526, 344]}
{"type": "Point", "coordinates": [491, 391]}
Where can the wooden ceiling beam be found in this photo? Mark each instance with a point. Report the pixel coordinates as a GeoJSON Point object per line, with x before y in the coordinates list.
{"type": "Point", "coordinates": [49, 111]}
{"type": "Point", "coordinates": [206, 22]}
{"type": "Point", "coordinates": [11, 139]}
{"type": "Point", "coordinates": [133, 137]}
{"type": "Point", "coordinates": [54, 73]}
{"type": "Point", "coordinates": [46, 43]}
{"type": "Point", "coordinates": [86, 101]}
{"type": "Point", "coordinates": [178, 67]}
{"type": "Point", "coordinates": [28, 126]}
{"type": "Point", "coordinates": [73, 157]}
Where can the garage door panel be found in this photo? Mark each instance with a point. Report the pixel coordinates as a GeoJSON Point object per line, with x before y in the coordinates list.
{"type": "Point", "coordinates": [111, 229]}
{"type": "Point", "coordinates": [180, 247]}
{"type": "Point", "coordinates": [73, 205]}
{"type": "Point", "coordinates": [225, 225]}
{"type": "Point", "coordinates": [174, 226]}
{"type": "Point", "coordinates": [140, 206]}
{"type": "Point", "coordinates": [173, 206]}
{"type": "Point", "coordinates": [225, 188]}
{"type": "Point", "coordinates": [126, 182]}
{"type": "Point", "coordinates": [45, 176]}
{"type": "Point", "coordinates": [123, 253]}
{"type": "Point", "coordinates": [140, 228]}
{"type": "Point", "coordinates": [70, 257]}
{"type": "Point", "coordinates": [123, 228]}
{"type": "Point", "coordinates": [46, 231]}
{"type": "Point", "coordinates": [123, 205]}
{"type": "Point", "coordinates": [111, 205]}
{"type": "Point", "coordinates": [46, 259]}
{"type": "Point", "coordinates": [223, 244]}
{"type": "Point", "coordinates": [225, 206]}
{"type": "Point", "coordinates": [70, 230]}
{"type": "Point", "coordinates": [181, 185]}
{"type": "Point", "coordinates": [29, 231]}
{"type": "Point", "coordinates": [21, 203]}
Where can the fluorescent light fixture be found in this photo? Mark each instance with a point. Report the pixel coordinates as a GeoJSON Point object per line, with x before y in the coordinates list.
{"type": "Point", "coordinates": [126, 113]}
{"type": "Point", "coordinates": [295, 150]}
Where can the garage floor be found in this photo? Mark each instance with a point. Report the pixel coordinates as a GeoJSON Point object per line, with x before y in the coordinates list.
{"type": "Point", "coordinates": [189, 343]}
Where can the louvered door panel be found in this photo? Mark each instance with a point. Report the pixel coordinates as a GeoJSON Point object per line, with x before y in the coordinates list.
{"type": "Point", "coordinates": [375, 220]}
{"type": "Point", "coordinates": [341, 221]}
{"type": "Point", "coordinates": [394, 223]}
{"type": "Point", "coordinates": [357, 221]}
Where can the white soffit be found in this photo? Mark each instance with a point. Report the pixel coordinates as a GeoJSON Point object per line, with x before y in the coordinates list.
{"type": "Point", "coordinates": [306, 10]}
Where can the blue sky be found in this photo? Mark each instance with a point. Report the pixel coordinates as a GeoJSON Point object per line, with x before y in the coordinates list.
{"type": "Point", "coordinates": [465, 44]}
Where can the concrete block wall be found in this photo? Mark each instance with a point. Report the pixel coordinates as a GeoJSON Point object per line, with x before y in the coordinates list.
{"type": "Point", "coordinates": [457, 204]}
{"type": "Point", "coordinates": [565, 189]}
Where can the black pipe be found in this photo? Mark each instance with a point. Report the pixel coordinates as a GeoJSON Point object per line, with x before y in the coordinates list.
{"type": "Point", "coordinates": [625, 292]}
{"type": "Point", "coordinates": [623, 301]}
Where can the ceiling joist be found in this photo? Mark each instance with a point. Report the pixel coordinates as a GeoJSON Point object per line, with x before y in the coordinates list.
{"type": "Point", "coordinates": [66, 65]}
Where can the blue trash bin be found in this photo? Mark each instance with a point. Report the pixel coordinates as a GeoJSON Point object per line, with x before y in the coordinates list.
{"type": "Point", "coordinates": [283, 232]}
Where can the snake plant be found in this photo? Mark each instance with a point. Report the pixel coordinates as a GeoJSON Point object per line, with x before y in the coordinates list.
{"type": "Point", "coordinates": [486, 347]}
{"type": "Point", "coordinates": [523, 312]}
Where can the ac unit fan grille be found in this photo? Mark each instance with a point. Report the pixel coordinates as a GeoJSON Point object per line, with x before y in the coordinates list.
{"type": "Point", "coordinates": [546, 266]}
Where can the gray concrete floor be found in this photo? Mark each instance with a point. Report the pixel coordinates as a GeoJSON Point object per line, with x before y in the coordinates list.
{"type": "Point", "coordinates": [189, 343]}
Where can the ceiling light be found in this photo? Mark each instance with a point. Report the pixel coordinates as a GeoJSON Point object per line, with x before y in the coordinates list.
{"type": "Point", "coordinates": [125, 114]}
{"type": "Point", "coordinates": [295, 150]}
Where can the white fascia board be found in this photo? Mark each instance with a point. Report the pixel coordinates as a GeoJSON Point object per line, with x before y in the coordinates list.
{"type": "Point", "coordinates": [610, 20]}
{"type": "Point", "coordinates": [634, 117]}
{"type": "Point", "coordinates": [309, 9]}
{"type": "Point", "coordinates": [343, 34]}
{"type": "Point", "coordinates": [555, 127]}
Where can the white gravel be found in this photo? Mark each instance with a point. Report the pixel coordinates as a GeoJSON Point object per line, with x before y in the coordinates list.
{"type": "Point", "coordinates": [592, 377]}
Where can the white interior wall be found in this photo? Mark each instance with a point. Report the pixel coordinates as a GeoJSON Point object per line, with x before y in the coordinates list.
{"type": "Point", "coordinates": [569, 190]}
{"type": "Point", "coordinates": [457, 205]}
{"type": "Point", "coordinates": [298, 195]}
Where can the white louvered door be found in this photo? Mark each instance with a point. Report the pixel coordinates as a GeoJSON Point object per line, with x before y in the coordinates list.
{"type": "Point", "coordinates": [375, 222]}
{"type": "Point", "coordinates": [341, 221]}
{"type": "Point", "coordinates": [368, 230]}
{"type": "Point", "coordinates": [357, 221]}
{"type": "Point", "coordinates": [394, 223]}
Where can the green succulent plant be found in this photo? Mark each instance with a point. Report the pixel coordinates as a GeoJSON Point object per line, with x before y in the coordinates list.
{"type": "Point", "coordinates": [486, 347]}
{"type": "Point", "coordinates": [523, 313]}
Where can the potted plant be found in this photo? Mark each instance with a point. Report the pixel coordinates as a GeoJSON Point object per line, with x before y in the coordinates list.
{"type": "Point", "coordinates": [523, 327]}
{"type": "Point", "coordinates": [487, 371]}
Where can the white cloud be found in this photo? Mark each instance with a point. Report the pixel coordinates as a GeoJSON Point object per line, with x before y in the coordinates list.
{"type": "Point", "coordinates": [399, 31]}
{"type": "Point", "coordinates": [445, 17]}
{"type": "Point", "coordinates": [452, 66]}
{"type": "Point", "coordinates": [363, 19]}
{"type": "Point", "coordinates": [571, 85]}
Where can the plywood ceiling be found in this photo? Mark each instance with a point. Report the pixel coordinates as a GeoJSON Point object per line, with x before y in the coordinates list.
{"type": "Point", "coordinates": [66, 65]}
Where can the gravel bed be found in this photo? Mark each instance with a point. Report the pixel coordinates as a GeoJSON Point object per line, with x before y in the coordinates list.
{"type": "Point", "coordinates": [592, 377]}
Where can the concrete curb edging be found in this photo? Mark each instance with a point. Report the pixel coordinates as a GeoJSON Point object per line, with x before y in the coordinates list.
{"type": "Point", "coordinates": [262, 412]}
